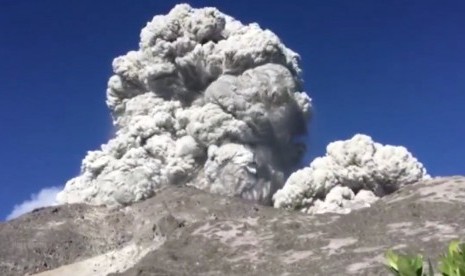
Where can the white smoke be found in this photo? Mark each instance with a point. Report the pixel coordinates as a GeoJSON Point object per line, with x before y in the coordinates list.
{"type": "Point", "coordinates": [45, 197]}
{"type": "Point", "coordinates": [206, 101]}
{"type": "Point", "coordinates": [353, 174]}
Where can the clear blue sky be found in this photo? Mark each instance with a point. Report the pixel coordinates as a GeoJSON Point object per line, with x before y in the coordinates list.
{"type": "Point", "coordinates": [394, 70]}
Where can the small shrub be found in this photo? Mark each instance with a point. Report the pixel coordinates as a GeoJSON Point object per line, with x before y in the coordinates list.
{"type": "Point", "coordinates": [404, 265]}
{"type": "Point", "coordinates": [452, 263]}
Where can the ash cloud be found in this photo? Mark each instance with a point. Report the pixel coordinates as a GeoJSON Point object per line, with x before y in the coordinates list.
{"type": "Point", "coordinates": [209, 102]}
{"type": "Point", "coordinates": [205, 101]}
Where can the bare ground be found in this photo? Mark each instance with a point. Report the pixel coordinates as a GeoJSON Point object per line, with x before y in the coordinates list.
{"type": "Point", "coordinates": [183, 231]}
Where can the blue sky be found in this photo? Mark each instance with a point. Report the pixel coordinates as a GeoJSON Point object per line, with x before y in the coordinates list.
{"type": "Point", "coordinates": [394, 70]}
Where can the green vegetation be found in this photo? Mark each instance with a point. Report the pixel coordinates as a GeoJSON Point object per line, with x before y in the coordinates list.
{"type": "Point", "coordinates": [452, 263]}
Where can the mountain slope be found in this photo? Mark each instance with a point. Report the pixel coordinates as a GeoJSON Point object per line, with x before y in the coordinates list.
{"type": "Point", "coordinates": [184, 231]}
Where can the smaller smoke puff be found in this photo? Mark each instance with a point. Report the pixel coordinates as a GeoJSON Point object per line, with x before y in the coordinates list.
{"type": "Point", "coordinates": [353, 174]}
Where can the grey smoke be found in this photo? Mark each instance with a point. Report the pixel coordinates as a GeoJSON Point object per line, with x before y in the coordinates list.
{"type": "Point", "coordinates": [205, 101]}
{"type": "Point", "coordinates": [209, 102]}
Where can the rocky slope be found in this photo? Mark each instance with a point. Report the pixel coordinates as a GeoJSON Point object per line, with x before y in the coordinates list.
{"type": "Point", "coordinates": [184, 231]}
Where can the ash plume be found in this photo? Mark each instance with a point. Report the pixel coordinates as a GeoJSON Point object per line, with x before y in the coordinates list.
{"type": "Point", "coordinates": [205, 101]}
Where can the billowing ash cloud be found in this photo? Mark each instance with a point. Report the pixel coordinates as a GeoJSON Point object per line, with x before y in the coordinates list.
{"type": "Point", "coordinates": [206, 101]}
{"type": "Point", "coordinates": [353, 174]}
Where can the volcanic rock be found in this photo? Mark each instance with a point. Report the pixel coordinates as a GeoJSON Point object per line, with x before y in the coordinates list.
{"type": "Point", "coordinates": [185, 231]}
